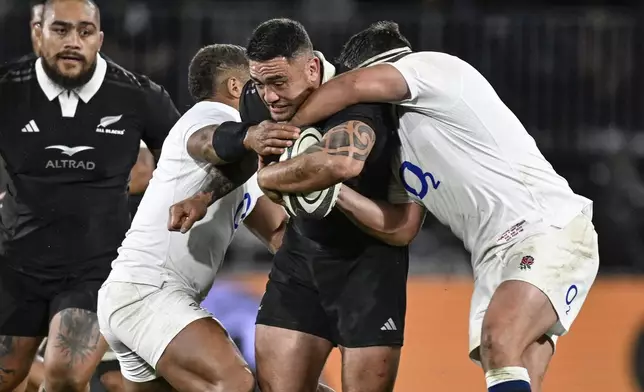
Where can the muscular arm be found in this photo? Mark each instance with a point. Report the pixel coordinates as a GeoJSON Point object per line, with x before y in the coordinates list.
{"type": "Point", "coordinates": [380, 83]}
{"type": "Point", "coordinates": [339, 156]}
{"type": "Point", "coordinates": [141, 173]}
{"type": "Point", "coordinates": [267, 222]}
{"type": "Point", "coordinates": [394, 224]}
{"type": "Point", "coordinates": [200, 146]}
{"type": "Point", "coordinates": [223, 179]}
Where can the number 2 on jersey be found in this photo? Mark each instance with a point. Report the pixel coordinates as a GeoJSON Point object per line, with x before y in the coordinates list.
{"type": "Point", "coordinates": [424, 178]}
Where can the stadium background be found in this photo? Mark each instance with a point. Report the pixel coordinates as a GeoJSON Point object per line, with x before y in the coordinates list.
{"type": "Point", "coordinates": [572, 72]}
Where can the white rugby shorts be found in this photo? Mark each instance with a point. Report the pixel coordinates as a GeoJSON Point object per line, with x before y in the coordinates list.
{"type": "Point", "coordinates": [139, 321]}
{"type": "Point", "coordinates": [561, 262]}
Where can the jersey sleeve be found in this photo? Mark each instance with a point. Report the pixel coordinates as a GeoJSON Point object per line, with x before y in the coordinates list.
{"type": "Point", "coordinates": [254, 192]}
{"type": "Point", "coordinates": [251, 107]}
{"type": "Point", "coordinates": [160, 117]}
{"type": "Point", "coordinates": [379, 117]}
{"type": "Point", "coordinates": [434, 80]}
{"type": "Point", "coordinates": [397, 194]}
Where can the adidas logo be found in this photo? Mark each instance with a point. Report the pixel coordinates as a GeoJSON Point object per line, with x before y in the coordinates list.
{"type": "Point", "coordinates": [389, 326]}
{"type": "Point", "coordinates": [30, 127]}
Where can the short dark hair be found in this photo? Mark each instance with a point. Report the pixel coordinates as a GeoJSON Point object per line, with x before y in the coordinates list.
{"type": "Point", "coordinates": [49, 3]}
{"type": "Point", "coordinates": [210, 64]}
{"type": "Point", "coordinates": [375, 39]}
{"type": "Point", "coordinates": [278, 38]}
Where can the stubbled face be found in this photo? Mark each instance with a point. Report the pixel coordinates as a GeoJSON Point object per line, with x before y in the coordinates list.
{"type": "Point", "coordinates": [34, 25]}
{"type": "Point", "coordinates": [69, 42]}
{"type": "Point", "coordinates": [285, 84]}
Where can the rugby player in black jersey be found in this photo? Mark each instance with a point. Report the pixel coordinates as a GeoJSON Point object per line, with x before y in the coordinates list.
{"type": "Point", "coordinates": [72, 126]}
{"type": "Point", "coordinates": [331, 284]}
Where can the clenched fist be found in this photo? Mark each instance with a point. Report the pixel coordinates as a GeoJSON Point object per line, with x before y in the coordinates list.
{"type": "Point", "coordinates": [185, 213]}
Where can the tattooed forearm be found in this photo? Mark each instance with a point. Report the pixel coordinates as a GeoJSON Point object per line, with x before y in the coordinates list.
{"type": "Point", "coordinates": [225, 178]}
{"type": "Point", "coordinates": [78, 335]}
{"type": "Point", "coordinates": [354, 139]}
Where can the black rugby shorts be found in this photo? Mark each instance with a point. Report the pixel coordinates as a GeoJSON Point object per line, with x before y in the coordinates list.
{"type": "Point", "coordinates": [28, 303]}
{"type": "Point", "coordinates": [352, 300]}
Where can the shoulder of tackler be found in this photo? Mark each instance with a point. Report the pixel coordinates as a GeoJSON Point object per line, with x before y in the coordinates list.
{"type": "Point", "coordinates": [122, 77]}
{"type": "Point", "coordinates": [18, 71]}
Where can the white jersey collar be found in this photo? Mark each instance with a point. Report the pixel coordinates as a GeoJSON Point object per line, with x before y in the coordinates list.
{"type": "Point", "coordinates": [384, 56]}
{"type": "Point", "coordinates": [220, 106]}
{"type": "Point", "coordinates": [328, 69]}
{"type": "Point", "coordinates": [85, 92]}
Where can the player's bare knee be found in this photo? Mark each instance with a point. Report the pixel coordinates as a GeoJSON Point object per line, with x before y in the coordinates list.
{"type": "Point", "coordinates": [239, 380]}
{"type": "Point", "coordinates": [66, 383]}
{"type": "Point", "coordinates": [499, 348]}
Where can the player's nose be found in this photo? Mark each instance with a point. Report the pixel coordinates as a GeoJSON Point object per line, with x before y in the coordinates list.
{"type": "Point", "coordinates": [270, 96]}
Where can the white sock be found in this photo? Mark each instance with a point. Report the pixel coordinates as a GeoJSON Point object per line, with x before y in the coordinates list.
{"type": "Point", "coordinates": [510, 373]}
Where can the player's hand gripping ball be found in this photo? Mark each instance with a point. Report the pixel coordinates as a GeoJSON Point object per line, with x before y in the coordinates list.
{"type": "Point", "coordinates": [315, 205]}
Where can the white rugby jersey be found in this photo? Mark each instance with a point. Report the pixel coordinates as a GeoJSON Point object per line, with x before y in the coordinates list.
{"type": "Point", "coordinates": [149, 251]}
{"type": "Point", "coordinates": [470, 161]}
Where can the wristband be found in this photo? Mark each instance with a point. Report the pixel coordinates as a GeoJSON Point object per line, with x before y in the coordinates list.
{"type": "Point", "coordinates": [228, 141]}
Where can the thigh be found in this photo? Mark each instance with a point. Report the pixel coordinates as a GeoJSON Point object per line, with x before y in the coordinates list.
{"type": "Point", "coordinates": [23, 323]}
{"type": "Point", "coordinates": [291, 300]}
{"type": "Point", "coordinates": [203, 357]}
{"type": "Point", "coordinates": [75, 345]}
{"type": "Point", "coordinates": [546, 278]}
{"type": "Point", "coordinates": [366, 298]}
{"type": "Point", "coordinates": [141, 323]}
{"type": "Point", "coordinates": [289, 360]}
{"type": "Point", "coordinates": [370, 369]}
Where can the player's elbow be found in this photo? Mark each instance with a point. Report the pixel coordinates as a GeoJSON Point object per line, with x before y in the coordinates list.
{"type": "Point", "coordinates": [402, 237]}
{"type": "Point", "coordinates": [411, 220]}
{"type": "Point", "coordinates": [199, 146]}
{"type": "Point", "coordinates": [276, 238]}
{"type": "Point", "coordinates": [342, 168]}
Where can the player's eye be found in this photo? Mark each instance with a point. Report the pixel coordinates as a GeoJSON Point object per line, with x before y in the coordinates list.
{"type": "Point", "coordinates": [59, 30]}
{"type": "Point", "coordinates": [259, 86]}
{"type": "Point", "coordinates": [279, 84]}
{"type": "Point", "coordinates": [85, 33]}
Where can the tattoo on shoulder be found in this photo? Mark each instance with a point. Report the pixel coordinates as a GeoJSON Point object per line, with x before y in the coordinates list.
{"type": "Point", "coordinates": [78, 335]}
{"type": "Point", "coordinates": [353, 139]}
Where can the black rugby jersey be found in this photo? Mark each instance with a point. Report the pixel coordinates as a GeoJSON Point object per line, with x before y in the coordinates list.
{"type": "Point", "coordinates": [68, 156]}
{"type": "Point", "coordinates": [336, 232]}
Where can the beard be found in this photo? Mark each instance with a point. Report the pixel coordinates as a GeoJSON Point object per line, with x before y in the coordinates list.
{"type": "Point", "coordinates": [68, 82]}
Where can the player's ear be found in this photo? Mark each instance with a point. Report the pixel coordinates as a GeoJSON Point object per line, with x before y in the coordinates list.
{"type": "Point", "coordinates": [234, 87]}
{"type": "Point", "coordinates": [313, 69]}
{"type": "Point", "coordinates": [100, 40]}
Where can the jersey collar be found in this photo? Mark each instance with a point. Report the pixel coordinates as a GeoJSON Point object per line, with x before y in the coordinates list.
{"type": "Point", "coordinates": [85, 92]}
{"type": "Point", "coordinates": [328, 69]}
{"type": "Point", "coordinates": [223, 107]}
{"type": "Point", "coordinates": [384, 56]}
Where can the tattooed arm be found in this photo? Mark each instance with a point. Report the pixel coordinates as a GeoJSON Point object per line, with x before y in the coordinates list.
{"type": "Point", "coordinates": [339, 156]}
{"type": "Point", "coordinates": [221, 181]}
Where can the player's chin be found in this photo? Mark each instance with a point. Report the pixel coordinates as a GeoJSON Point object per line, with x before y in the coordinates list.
{"type": "Point", "coordinates": [282, 114]}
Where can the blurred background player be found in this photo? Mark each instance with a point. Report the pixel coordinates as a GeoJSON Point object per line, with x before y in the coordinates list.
{"type": "Point", "coordinates": [465, 154]}
{"type": "Point", "coordinates": [148, 308]}
{"type": "Point", "coordinates": [76, 110]}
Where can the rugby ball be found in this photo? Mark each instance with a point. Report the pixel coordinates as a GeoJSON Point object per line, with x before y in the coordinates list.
{"type": "Point", "coordinates": [315, 205]}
